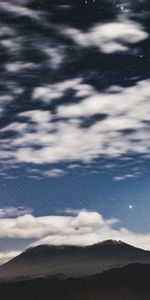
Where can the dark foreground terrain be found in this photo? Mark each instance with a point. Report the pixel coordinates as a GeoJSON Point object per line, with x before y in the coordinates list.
{"type": "Point", "coordinates": [128, 283]}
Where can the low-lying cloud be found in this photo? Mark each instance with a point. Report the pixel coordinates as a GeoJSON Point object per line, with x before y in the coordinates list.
{"type": "Point", "coordinates": [7, 255]}
{"type": "Point", "coordinates": [14, 211]}
{"type": "Point", "coordinates": [77, 228]}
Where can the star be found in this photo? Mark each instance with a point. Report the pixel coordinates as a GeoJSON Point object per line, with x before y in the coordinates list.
{"type": "Point", "coordinates": [130, 206]}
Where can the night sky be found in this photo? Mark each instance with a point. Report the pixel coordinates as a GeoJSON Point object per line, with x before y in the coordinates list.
{"type": "Point", "coordinates": [74, 122]}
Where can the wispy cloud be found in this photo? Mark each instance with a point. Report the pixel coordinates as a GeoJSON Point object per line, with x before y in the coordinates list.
{"type": "Point", "coordinates": [13, 212]}
{"type": "Point", "coordinates": [69, 211]}
{"type": "Point", "coordinates": [56, 55]}
{"type": "Point", "coordinates": [53, 173]}
{"type": "Point", "coordinates": [18, 10]}
{"type": "Point", "coordinates": [136, 172]}
{"type": "Point", "coordinates": [53, 109]}
{"type": "Point", "coordinates": [123, 177]}
{"type": "Point", "coordinates": [46, 138]}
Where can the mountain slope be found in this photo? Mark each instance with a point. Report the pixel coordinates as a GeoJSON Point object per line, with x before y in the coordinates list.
{"type": "Point", "coordinates": [71, 261]}
{"type": "Point", "coordinates": [127, 283]}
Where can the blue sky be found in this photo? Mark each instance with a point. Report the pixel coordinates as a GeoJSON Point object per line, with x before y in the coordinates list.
{"type": "Point", "coordinates": [81, 189]}
{"type": "Point", "coordinates": [74, 119]}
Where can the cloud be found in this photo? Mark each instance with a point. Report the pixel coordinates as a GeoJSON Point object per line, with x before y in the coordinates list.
{"type": "Point", "coordinates": [53, 173]}
{"type": "Point", "coordinates": [14, 211]}
{"type": "Point", "coordinates": [56, 55]}
{"type": "Point", "coordinates": [55, 91]}
{"type": "Point", "coordinates": [83, 228]}
{"type": "Point", "coordinates": [38, 173]}
{"type": "Point", "coordinates": [37, 116]}
{"type": "Point", "coordinates": [18, 66]}
{"type": "Point", "coordinates": [110, 37]}
{"type": "Point", "coordinates": [125, 176]}
{"type": "Point", "coordinates": [69, 211]}
{"type": "Point", "coordinates": [123, 101]}
{"type": "Point", "coordinates": [6, 31]}
{"type": "Point", "coordinates": [66, 118]}
{"type": "Point", "coordinates": [18, 10]}
{"type": "Point", "coordinates": [15, 42]}
{"type": "Point", "coordinates": [7, 255]}
{"type": "Point", "coordinates": [42, 137]}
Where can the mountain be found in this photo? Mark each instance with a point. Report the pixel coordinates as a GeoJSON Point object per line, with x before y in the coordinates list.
{"type": "Point", "coordinates": [127, 283]}
{"type": "Point", "coordinates": [46, 261]}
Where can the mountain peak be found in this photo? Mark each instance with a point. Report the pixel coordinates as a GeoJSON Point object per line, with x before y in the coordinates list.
{"type": "Point", "coordinates": [47, 261]}
{"type": "Point", "coordinates": [107, 243]}
{"type": "Point", "coordinates": [46, 247]}
{"type": "Point", "coordinates": [112, 242]}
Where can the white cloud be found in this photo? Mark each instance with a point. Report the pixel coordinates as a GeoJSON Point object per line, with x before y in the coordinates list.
{"type": "Point", "coordinates": [7, 255]}
{"type": "Point", "coordinates": [14, 211]}
{"type": "Point", "coordinates": [18, 66]}
{"type": "Point", "coordinates": [67, 140]}
{"type": "Point", "coordinates": [51, 142]}
{"type": "Point", "coordinates": [37, 116]}
{"type": "Point", "coordinates": [125, 176]}
{"type": "Point", "coordinates": [18, 10]}
{"type": "Point", "coordinates": [11, 91]}
{"type": "Point", "coordinates": [123, 102]}
{"type": "Point", "coordinates": [69, 211]}
{"type": "Point", "coordinates": [87, 228]}
{"type": "Point", "coordinates": [64, 6]}
{"type": "Point", "coordinates": [6, 98]}
{"type": "Point", "coordinates": [126, 108]}
{"type": "Point", "coordinates": [53, 173]}
{"type": "Point", "coordinates": [109, 37]}
{"type": "Point", "coordinates": [38, 173]}
{"type": "Point", "coordinates": [51, 92]}
{"type": "Point", "coordinates": [83, 228]}
{"type": "Point", "coordinates": [73, 166]}
{"type": "Point", "coordinates": [6, 31]}
{"type": "Point", "coordinates": [56, 55]}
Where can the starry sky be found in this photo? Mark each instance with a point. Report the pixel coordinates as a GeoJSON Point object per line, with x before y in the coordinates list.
{"type": "Point", "coordinates": [74, 121]}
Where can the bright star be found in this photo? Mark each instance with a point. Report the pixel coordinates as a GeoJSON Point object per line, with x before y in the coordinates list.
{"type": "Point", "coordinates": [130, 206]}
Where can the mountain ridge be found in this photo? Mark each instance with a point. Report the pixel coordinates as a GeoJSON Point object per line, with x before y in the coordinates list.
{"type": "Point", "coordinates": [72, 261]}
{"type": "Point", "coordinates": [130, 282]}
{"type": "Point", "coordinates": [108, 242]}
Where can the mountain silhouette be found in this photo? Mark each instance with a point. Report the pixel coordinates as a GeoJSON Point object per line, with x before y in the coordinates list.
{"type": "Point", "coordinates": [127, 283]}
{"type": "Point", "coordinates": [63, 262]}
